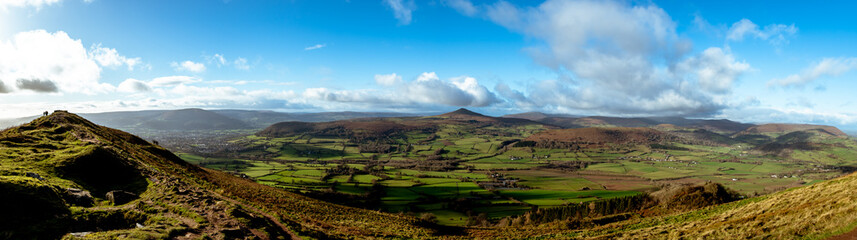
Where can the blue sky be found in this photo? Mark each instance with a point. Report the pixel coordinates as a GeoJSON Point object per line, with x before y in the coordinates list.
{"type": "Point", "coordinates": [756, 61]}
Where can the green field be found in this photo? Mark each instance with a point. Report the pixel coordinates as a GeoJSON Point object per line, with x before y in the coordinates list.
{"type": "Point", "coordinates": [461, 171]}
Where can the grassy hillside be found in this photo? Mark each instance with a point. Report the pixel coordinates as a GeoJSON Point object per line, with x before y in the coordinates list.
{"type": "Point", "coordinates": [812, 212]}
{"type": "Point", "coordinates": [57, 172]}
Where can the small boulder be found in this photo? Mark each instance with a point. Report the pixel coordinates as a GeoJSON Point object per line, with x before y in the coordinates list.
{"type": "Point", "coordinates": [80, 234]}
{"type": "Point", "coordinates": [35, 175]}
{"type": "Point", "coordinates": [119, 197]}
{"type": "Point", "coordinates": [78, 197]}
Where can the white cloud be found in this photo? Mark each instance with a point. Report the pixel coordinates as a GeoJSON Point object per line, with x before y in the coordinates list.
{"type": "Point", "coordinates": [3, 88]}
{"type": "Point", "coordinates": [480, 96]}
{"type": "Point", "coordinates": [776, 34]}
{"type": "Point", "coordinates": [314, 47]}
{"type": "Point", "coordinates": [206, 98]}
{"type": "Point", "coordinates": [807, 115]}
{"type": "Point", "coordinates": [388, 79]}
{"type": "Point", "coordinates": [37, 85]}
{"type": "Point", "coordinates": [132, 86]}
{"type": "Point", "coordinates": [173, 81]}
{"type": "Point", "coordinates": [402, 10]}
{"type": "Point", "coordinates": [702, 24]}
{"type": "Point", "coordinates": [52, 59]}
{"type": "Point", "coordinates": [217, 59]}
{"type": "Point", "coordinates": [461, 91]}
{"type": "Point", "coordinates": [616, 58]}
{"type": "Point", "coordinates": [826, 67]}
{"type": "Point", "coordinates": [427, 89]}
{"type": "Point", "coordinates": [516, 96]}
{"type": "Point", "coordinates": [189, 66]}
{"type": "Point", "coordinates": [505, 14]}
{"type": "Point", "coordinates": [109, 57]}
{"type": "Point", "coordinates": [715, 70]}
{"type": "Point", "coordinates": [241, 63]}
{"type": "Point", "coordinates": [464, 7]}
{"type": "Point", "coordinates": [365, 96]}
{"type": "Point", "coordinates": [4, 4]}
{"type": "Point", "coordinates": [185, 90]}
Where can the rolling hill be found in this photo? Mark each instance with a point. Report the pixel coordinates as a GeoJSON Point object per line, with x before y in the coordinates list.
{"type": "Point", "coordinates": [780, 128]}
{"type": "Point", "coordinates": [568, 121]}
{"type": "Point", "coordinates": [381, 128]}
{"type": "Point", "coordinates": [199, 119]}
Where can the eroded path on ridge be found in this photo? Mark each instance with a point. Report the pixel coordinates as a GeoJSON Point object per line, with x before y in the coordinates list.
{"type": "Point", "coordinates": [260, 212]}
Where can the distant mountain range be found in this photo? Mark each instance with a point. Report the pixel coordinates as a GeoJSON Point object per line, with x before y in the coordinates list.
{"type": "Point", "coordinates": [379, 128]}
{"type": "Point", "coordinates": [199, 119]}
{"type": "Point", "coordinates": [569, 121]}
{"type": "Point", "coordinates": [554, 131]}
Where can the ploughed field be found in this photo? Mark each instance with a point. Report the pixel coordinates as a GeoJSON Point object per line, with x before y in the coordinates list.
{"type": "Point", "coordinates": [464, 168]}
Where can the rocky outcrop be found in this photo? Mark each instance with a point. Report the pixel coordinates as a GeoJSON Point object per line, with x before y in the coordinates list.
{"type": "Point", "coordinates": [119, 197]}
{"type": "Point", "coordinates": [78, 197]}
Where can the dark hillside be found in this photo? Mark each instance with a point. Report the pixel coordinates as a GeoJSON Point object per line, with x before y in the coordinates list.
{"type": "Point", "coordinates": [599, 137]}
{"type": "Point", "coordinates": [787, 128]}
{"type": "Point", "coordinates": [721, 126]}
{"type": "Point", "coordinates": [384, 128]}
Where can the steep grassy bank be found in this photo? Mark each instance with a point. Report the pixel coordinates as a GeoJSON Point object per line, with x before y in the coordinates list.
{"type": "Point", "coordinates": [61, 174]}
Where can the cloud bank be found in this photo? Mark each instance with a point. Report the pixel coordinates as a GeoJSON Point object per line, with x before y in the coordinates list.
{"type": "Point", "coordinates": [40, 61]}
{"type": "Point", "coordinates": [426, 90]}
{"type": "Point", "coordinates": [776, 34]}
{"type": "Point", "coordinates": [188, 66]}
{"type": "Point", "coordinates": [825, 67]}
{"type": "Point", "coordinates": [5, 4]}
{"type": "Point", "coordinates": [616, 59]}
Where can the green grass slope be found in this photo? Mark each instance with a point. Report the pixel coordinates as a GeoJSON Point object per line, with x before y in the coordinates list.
{"type": "Point", "coordinates": [813, 212]}
{"type": "Point", "coordinates": [56, 171]}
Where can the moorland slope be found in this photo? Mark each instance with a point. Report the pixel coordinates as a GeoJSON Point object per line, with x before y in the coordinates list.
{"type": "Point", "coordinates": [63, 176]}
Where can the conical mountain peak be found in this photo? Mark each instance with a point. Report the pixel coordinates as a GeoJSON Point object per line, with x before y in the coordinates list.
{"type": "Point", "coordinates": [463, 111]}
